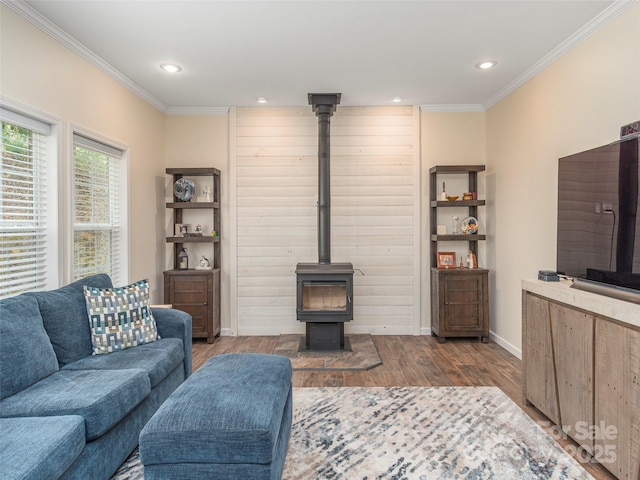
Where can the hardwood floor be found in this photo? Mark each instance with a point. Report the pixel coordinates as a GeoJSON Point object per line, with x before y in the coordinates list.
{"type": "Point", "coordinates": [412, 361]}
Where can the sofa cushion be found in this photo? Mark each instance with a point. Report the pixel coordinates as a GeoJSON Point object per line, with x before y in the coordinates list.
{"type": "Point", "coordinates": [120, 317]}
{"type": "Point", "coordinates": [26, 353]}
{"type": "Point", "coordinates": [64, 314]}
{"type": "Point", "coordinates": [34, 448]}
{"type": "Point", "coordinates": [158, 359]}
{"type": "Point", "coordinates": [101, 397]}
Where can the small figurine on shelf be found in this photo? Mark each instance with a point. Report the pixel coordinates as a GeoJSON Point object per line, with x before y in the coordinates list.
{"type": "Point", "coordinates": [443, 195]}
{"type": "Point", "coordinates": [461, 262]}
{"type": "Point", "coordinates": [206, 194]}
{"type": "Point", "coordinates": [455, 225]}
{"type": "Point", "coordinates": [197, 231]}
{"type": "Point", "coordinates": [472, 260]}
{"type": "Point", "coordinates": [203, 264]}
{"type": "Point", "coordinates": [183, 260]}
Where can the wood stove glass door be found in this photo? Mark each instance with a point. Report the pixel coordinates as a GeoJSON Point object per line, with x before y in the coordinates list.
{"type": "Point", "coordinates": [324, 296]}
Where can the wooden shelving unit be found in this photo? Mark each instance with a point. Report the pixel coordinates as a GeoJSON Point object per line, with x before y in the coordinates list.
{"type": "Point", "coordinates": [459, 296]}
{"type": "Point", "coordinates": [196, 292]}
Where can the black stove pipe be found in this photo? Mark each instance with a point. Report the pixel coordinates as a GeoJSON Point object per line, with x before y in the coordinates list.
{"type": "Point", "coordinates": [324, 104]}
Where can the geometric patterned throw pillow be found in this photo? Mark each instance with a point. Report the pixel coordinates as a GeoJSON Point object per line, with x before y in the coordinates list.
{"type": "Point", "coordinates": [120, 318]}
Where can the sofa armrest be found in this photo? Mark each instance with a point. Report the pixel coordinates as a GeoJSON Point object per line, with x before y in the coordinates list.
{"type": "Point", "coordinates": [174, 323]}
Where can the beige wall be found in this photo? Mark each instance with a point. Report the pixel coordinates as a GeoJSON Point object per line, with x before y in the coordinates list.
{"type": "Point", "coordinates": [449, 138]}
{"type": "Point", "coordinates": [40, 73]}
{"type": "Point", "coordinates": [577, 103]}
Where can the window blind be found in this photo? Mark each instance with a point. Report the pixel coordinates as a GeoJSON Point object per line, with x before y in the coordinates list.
{"type": "Point", "coordinates": [97, 199]}
{"type": "Point", "coordinates": [23, 205]}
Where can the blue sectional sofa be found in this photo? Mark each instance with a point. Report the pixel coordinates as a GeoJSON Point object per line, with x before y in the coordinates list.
{"type": "Point", "coordinates": [65, 413]}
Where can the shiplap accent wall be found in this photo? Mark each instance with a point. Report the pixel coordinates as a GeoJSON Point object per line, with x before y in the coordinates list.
{"type": "Point", "coordinates": [374, 203]}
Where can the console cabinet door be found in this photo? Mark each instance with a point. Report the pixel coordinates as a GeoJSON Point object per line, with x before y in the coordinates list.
{"type": "Point", "coordinates": [617, 399]}
{"type": "Point", "coordinates": [558, 367]}
{"type": "Point", "coordinates": [572, 337]}
{"type": "Point", "coordinates": [539, 375]}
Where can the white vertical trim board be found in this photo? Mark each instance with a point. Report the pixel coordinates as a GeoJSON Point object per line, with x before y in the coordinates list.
{"type": "Point", "coordinates": [417, 226]}
{"type": "Point", "coordinates": [233, 230]}
{"type": "Point", "coordinates": [373, 202]}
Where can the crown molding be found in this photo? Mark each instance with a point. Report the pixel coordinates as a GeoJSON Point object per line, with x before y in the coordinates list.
{"type": "Point", "coordinates": [452, 107]}
{"type": "Point", "coordinates": [197, 110]}
{"type": "Point", "coordinates": [72, 44]}
{"type": "Point", "coordinates": [608, 14]}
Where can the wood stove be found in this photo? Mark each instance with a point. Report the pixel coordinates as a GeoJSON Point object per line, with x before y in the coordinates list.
{"type": "Point", "coordinates": [324, 290]}
{"type": "Point", "coordinates": [325, 302]}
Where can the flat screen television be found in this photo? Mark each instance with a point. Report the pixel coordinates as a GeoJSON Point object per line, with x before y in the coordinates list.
{"type": "Point", "coordinates": [599, 218]}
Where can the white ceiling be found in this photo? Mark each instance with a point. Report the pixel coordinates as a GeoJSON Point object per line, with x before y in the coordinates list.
{"type": "Point", "coordinates": [233, 52]}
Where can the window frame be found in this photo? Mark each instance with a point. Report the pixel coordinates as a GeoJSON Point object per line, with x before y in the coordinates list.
{"type": "Point", "coordinates": [27, 117]}
{"type": "Point", "coordinates": [123, 224]}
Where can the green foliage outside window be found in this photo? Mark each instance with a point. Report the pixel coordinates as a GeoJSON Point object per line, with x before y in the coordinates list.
{"type": "Point", "coordinates": [94, 207]}
{"type": "Point", "coordinates": [21, 212]}
{"type": "Point", "coordinates": [16, 173]}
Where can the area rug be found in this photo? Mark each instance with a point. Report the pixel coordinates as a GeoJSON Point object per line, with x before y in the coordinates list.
{"type": "Point", "coordinates": [413, 433]}
{"type": "Point", "coordinates": [362, 354]}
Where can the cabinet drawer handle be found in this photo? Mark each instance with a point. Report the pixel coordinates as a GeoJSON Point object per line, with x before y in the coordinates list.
{"type": "Point", "coordinates": [205, 304]}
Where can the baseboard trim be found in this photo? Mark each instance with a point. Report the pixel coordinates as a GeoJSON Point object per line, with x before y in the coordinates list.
{"type": "Point", "coordinates": [509, 347]}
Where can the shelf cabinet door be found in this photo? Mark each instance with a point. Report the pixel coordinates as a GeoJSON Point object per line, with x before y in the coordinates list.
{"type": "Point", "coordinates": [460, 305]}
{"type": "Point", "coordinates": [193, 293]}
{"type": "Point", "coordinates": [463, 305]}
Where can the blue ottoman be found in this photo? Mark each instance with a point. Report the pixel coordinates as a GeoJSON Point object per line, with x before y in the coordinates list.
{"type": "Point", "coordinates": [230, 420]}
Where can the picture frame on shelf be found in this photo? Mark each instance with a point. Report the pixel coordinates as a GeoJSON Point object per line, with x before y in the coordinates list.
{"type": "Point", "coordinates": [181, 229]}
{"type": "Point", "coordinates": [446, 259]}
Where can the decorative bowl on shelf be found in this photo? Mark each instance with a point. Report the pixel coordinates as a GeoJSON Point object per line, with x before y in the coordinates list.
{"type": "Point", "coordinates": [184, 189]}
{"type": "Point", "coordinates": [452, 198]}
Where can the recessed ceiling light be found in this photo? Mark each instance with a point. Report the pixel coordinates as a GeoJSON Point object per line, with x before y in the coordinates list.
{"type": "Point", "coordinates": [170, 67]}
{"type": "Point", "coordinates": [486, 65]}
{"type": "Point", "coordinates": [262, 100]}
{"type": "Point", "coordinates": [396, 99]}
